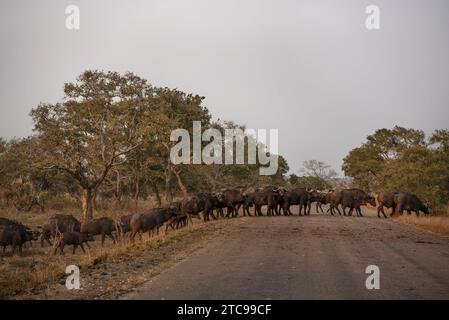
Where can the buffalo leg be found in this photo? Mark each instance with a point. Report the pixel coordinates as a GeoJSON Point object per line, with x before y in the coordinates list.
{"type": "Point", "coordinates": [351, 209]}
{"type": "Point", "coordinates": [237, 208]}
{"type": "Point", "coordinates": [380, 209]}
{"type": "Point", "coordinates": [113, 238]}
{"type": "Point", "coordinates": [338, 210]}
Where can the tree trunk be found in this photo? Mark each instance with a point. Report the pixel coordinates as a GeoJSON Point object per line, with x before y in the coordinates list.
{"type": "Point", "coordinates": [94, 197]}
{"type": "Point", "coordinates": [87, 200]}
{"type": "Point", "coordinates": [118, 191]}
{"type": "Point", "coordinates": [137, 191]}
{"type": "Point", "coordinates": [180, 183]}
{"type": "Point", "coordinates": [168, 195]}
{"type": "Point", "coordinates": [156, 193]}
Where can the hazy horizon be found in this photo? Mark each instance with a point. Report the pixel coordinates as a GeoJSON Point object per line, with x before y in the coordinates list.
{"type": "Point", "coordinates": [309, 68]}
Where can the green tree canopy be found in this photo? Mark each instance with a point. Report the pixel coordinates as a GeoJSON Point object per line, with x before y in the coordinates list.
{"type": "Point", "coordinates": [403, 160]}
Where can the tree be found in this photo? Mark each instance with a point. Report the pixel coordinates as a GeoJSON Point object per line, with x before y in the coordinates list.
{"type": "Point", "coordinates": [403, 160]}
{"type": "Point", "coordinates": [366, 163]}
{"type": "Point", "coordinates": [103, 117]}
{"type": "Point", "coordinates": [21, 181]}
{"type": "Point", "coordinates": [440, 140]}
{"type": "Point", "coordinates": [316, 168]}
{"type": "Point", "coordinates": [308, 182]}
{"type": "Point", "coordinates": [177, 109]}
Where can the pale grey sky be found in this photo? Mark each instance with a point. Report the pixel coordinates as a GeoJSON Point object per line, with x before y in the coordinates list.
{"type": "Point", "coordinates": [309, 68]}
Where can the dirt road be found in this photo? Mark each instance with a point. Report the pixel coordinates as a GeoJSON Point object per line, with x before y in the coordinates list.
{"type": "Point", "coordinates": [314, 257]}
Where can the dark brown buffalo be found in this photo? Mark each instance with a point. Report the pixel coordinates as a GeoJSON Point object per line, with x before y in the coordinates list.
{"type": "Point", "coordinates": [15, 236]}
{"type": "Point", "coordinates": [262, 196]}
{"type": "Point", "coordinates": [124, 224]}
{"type": "Point", "coordinates": [296, 196]}
{"type": "Point", "coordinates": [102, 226]}
{"type": "Point", "coordinates": [335, 199]}
{"type": "Point", "coordinates": [232, 199]}
{"type": "Point", "coordinates": [409, 202]}
{"type": "Point", "coordinates": [352, 199]}
{"type": "Point", "coordinates": [319, 198]}
{"type": "Point", "coordinates": [17, 224]}
{"type": "Point", "coordinates": [73, 238]}
{"type": "Point", "coordinates": [385, 199]}
{"type": "Point", "coordinates": [214, 201]}
{"type": "Point", "coordinates": [202, 203]}
{"type": "Point", "coordinates": [179, 219]}
{"type": "Point", "coordinates": [58, 223]}
{"type": "Point", "coordinates": [151, 221]}
{"type": "Point", "coordinates": [248, 200]}
{"type": "Point", "coordinates": [8, 222]}
{"type": "Point", "coordinates": [191, 206]}
{"type": "Point", "coordinates": [218, 204]}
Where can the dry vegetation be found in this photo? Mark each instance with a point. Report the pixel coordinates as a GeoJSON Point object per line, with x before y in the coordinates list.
{"type": "Point", "coordinates": [436, 224]}
{"type": "Point", "coordinates": [38, 269]}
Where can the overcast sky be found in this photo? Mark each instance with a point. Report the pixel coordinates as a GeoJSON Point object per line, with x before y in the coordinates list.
{"type": "Point", "coordinates": [309, 68]}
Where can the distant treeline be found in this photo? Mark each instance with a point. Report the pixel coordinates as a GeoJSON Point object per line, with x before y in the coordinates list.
{"type": "Point", "coordinates": [403, 160]}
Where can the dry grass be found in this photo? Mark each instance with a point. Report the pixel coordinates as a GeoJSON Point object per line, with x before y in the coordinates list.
{"type": "Point", "coordinates": [436, 224]}
{"type": "Point", "coordinates": [38, 268]}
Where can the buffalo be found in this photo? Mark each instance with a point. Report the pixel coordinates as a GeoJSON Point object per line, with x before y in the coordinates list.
{"type": "Point", "coordinates": [296, 196]}
{"type": "Point", "coordinates": [179, 219]}
{"type": "Point", "coordinates": [194, 205]}
{"type": "Point", "coordinates": [350, 198]}
{"type": "Point", "coordinates": [152, 220]}
{"type": "Point", "coordinates": [104, 226]}
{"type": "Point", "coordinates": [124, 224]}
{"type": "Point", "coordinates": [15, 236]}
{"type": "Point", "coordinates": [319, 198]}
{"type": "Point", "coordinates": [409, 202]}
{"type": "Point", "coordinates": [232, 200]}
{"type": "Point", "coordinates": [13, 223]}
{"type": "Point", "coordinates": [73, 238]}
{"type": "Point", "coordinates": [385, 199]}
{"type": "Point", "coordinates": [58, 223]}
{"type": "Point", "coordinates": [262, 196]}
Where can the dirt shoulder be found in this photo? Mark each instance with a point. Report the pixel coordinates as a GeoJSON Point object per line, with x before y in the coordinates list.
{"type": "Point", "coordinates": [129, 265]}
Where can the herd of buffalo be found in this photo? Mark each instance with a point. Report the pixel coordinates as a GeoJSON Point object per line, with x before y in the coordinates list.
{"type": "Point", "coordinates": [67, 230]}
